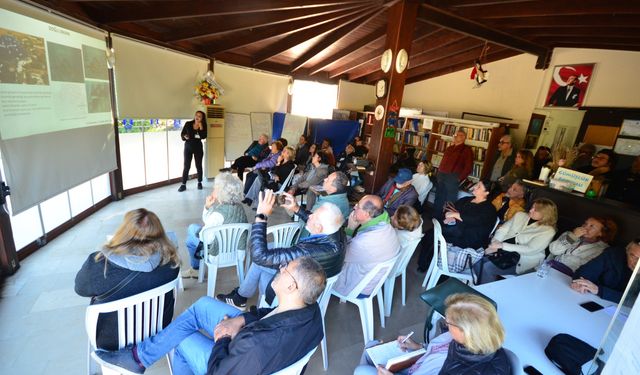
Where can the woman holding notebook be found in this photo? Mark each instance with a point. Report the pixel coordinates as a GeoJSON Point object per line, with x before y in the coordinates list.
{"type": "Point", "coordinates": [473, 344]}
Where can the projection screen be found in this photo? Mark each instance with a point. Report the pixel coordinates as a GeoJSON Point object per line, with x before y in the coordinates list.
{"type": "Point", "coordinates": [56, 123]}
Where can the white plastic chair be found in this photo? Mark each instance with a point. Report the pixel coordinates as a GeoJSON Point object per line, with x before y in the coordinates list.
{"type": "Point", "coordinates": [297, 367]}
{"type": "Point", "coordinates": [139, 317]}
{"type": "Point", "coordinates": [440, 250]}
{"type": "Point", "coordinates": [399, 269]}
{"type": "Point", "coordinates": [365, 305]}
{"type": "Point", "coordinates": [231, 251]}
{"type": "Point", "coordinates": [284, 235]}
{"type": "Point", "coordinates": [323, 302]}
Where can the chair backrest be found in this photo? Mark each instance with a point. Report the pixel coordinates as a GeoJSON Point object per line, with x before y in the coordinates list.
{"type": "Point", "coordinates": [285, 235]}
{"type": "Point", "coordinates": [323, 301]}
{"type": "Point", "coordinates": [297, 367]}
{"type": "Point", "coordinates": [514, 361]}
{"type": "Point", "coordinates": [229, 238]}
{"type": "Point", "coordinates": [139, 316]}
{"type": "Point", "coordinates": [406, 252]}
{"type": "Point", "coordinates": [383, 268]}
{"type": "Point", "coordinates": [440, 245]}
{"type": "Point", "coordinates": [493, 231]}
{"type": "Point", "coordinates": [286, 182]}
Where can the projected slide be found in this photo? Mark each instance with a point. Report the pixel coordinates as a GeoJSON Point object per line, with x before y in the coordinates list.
{"type": "Point", "coordinates": [51, 79]}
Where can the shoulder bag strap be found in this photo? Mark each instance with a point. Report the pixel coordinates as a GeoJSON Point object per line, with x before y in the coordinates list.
{"type": "Point", "coordinates": [124, 282]}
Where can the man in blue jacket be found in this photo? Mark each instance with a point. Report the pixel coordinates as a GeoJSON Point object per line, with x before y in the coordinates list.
{"type": "Point", "coordinates": [239, 339]}
{"type": "Point", "coordinates": [608, 274]}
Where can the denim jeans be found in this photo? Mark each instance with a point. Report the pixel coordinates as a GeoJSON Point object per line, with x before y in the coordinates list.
{"type": "Point", "coordinates": [257, 276]}
{"type": "Point", "coordinates": [192, 243]}
{"type": "Point", "coordinates": [192, 347]}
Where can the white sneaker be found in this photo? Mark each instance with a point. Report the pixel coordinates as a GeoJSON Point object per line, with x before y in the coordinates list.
{"type": "Point", "coordinates": [359, 189]}
{"type": "Point", "coordinates": [190, 274]}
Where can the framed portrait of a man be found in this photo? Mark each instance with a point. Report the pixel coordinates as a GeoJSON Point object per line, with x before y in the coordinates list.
{"type": "Point", "coordinates": [569, 84]}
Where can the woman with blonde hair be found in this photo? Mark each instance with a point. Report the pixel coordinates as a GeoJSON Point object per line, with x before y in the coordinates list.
{"type": "Point", "coordinates": [522, 169]}
{"type": "Point", "coordinates": [519, 244]}
{"type": "Point", "coordinates": [472, 345]}
{"type": "Point", "coordinates": [139, 257]}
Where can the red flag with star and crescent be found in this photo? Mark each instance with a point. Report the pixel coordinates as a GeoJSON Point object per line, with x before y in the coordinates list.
{"type": "Point", "coordinates": [563, 75]}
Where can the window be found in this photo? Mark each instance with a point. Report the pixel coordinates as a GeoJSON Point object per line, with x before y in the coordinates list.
{"type": "Point", "coordinates": [313, 99]}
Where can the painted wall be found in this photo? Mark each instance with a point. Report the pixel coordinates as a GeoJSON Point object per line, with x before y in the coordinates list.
{"type": "Point", "coordinates": [354, 96]}
{"type": "Point", "coordinates": [515, 88]}
{"type": "Point", "coordinates": [247, 91]}
{"type": "Point", "coordinates": [558, 119]}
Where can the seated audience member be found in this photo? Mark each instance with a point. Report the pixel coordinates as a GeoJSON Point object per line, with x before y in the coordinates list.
{"type": "Point", "coordinates": [398, 191]}
{"type": "Point", "coordinates": [256, 151]}
{"type": "Point", "coordinates": [139, 247]}
{"type": "Point", "coordinates": [528, 235]}
{"type": "Point", "coordinates": [522, 169]}
{"type": "Point", "coordinates": [325, 244]}
{"type": "Point", "coordinates": [421, 182]}
{"type": "Point", "coordinates": [573, 249]}
{"type": "Point", "coordinates": [540, 159]}
{"type": "Point", "coordinates": [408, 224]}
{"type": "Point", "coordinates": [222, 206]}
{"type": "Point", "coordinates": [371, 240]}
{"type": "Point", "coordinates": [601, 168]}
{"type": "Point", "coordinates": [361, 149]}
{"type": "Point", "coordinates": [273, 178]}
{"type": "Point", "coordinates": [405, 160]}
{"type": "Point", "coordinates": [314, 176]}
{"type": "Point", "coordinates": [265, 164]}
{"type": "Point", "coordinates": [469, 222]}
{"type": "Point", "coordinates": [608, 274]}
{"type": "Point", "coordinates": [334, 190]}
{"type": "Point", "coordinates": [307, 164]}
{"type": "Point", "coordinates": [328, 150]}
{"type": "Point", "coordinates": [345, 159]}
{"type": "Point", "coordinates": [625, 184]}
{"type": "Point", "coordinates": [284, 142]}
{"type": "Point", "coordinates": [302, 151]}
{"type": "Point", "coordinates": [504, 159]}
{"type": "Point", "coordinates": [472, 345]}
{"type": "Point", "coordinates": [584, 157]}
{"type": "Point", "coordinates": [259, 342]}
{"type": "Point", "coordinates": [507, 204]}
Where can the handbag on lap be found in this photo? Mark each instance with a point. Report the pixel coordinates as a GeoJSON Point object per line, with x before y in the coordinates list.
{"type": "Point", "coordinates": [505, 259]}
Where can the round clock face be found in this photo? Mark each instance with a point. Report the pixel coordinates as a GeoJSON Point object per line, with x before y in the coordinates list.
{"type": "Point", "coordinates": [385, 61]}
{"type": "Point", "coordinates": [402, 60]}
{"type": "Point", "coordinates": [381, 88]}
{"type": "Point", "coordinates": [379, 113]}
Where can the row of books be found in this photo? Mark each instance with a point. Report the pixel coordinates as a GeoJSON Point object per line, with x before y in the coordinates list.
{"type": "Point", "coordinates": [479, 153]}
{"type": "Point", "coordinates": [420, 155]}
{"type": "Point", "coordinates": [475, 171]}
{"type": "Point", "coordinates": [416, 139]}
{"type": "Point", "coordinates": [475, 134]}
{"type": "Point", "coordinates": [440, 145]}
{"type": "Point", "coordinates": [414, 124]}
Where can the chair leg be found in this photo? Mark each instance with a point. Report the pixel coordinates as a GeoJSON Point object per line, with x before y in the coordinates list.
{"type": "Point", "coordinates": [212, 270]}
{"type": "Point", "coordinates": [430, 270]}
{"type": "Point", "coordinates": [92, 366]}
{"type": "Point", "coordinates": [365, 308]}
{"type": "Point", "coordinates": [389, 286]}
{"type": "Point", "coordinates": [180, 284]}
{"type": "Point", "coordinates": [201, 271]}
{"type": "Point", "coordinates": [433, 281]}
{"type": "Point", "coordinates": [404, 287]}
{"type": "Point", "coordinates": [170, 361]}
{"type": "Point", "coordinates": [381, 309]}
{"type": "Point", "coordinates": [323, 346]}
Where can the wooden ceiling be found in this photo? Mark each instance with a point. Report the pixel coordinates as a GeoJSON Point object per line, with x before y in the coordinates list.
{"type": "Point", "coordinates": [328, 40]}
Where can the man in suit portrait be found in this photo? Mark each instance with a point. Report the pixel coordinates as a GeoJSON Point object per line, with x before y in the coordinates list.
{"type": "Point", "coordinates": [566, 96]}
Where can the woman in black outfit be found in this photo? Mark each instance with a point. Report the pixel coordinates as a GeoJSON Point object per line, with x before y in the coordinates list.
{"type": "Point", "coordinates": [193, 133]}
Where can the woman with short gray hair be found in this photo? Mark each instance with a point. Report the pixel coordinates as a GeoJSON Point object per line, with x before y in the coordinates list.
{"type": "Point", "coordinates": [222, 206]}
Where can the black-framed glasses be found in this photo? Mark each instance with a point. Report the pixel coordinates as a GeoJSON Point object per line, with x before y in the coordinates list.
{"type": "Point", "coordinates": [283, 267]}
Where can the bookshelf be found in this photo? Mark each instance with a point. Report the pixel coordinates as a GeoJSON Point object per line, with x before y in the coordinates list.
{"type": "Point", "coordinates": [413, 132]}
{"type": "Point", "coordinates": [482, 137]}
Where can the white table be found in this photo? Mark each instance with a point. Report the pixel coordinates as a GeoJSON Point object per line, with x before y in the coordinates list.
{"type": "Point", "coordinates": [533, 310]}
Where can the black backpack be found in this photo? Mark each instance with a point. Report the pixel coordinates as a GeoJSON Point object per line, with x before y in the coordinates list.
{"type": "Point", "coordinates": [569, 353]}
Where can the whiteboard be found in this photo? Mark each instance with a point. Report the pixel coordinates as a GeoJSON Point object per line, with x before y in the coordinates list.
{"type": "Point", "coordinates": [261, 123]}
{"type": "Point", "coordinates": [293, 127]}
{"type": "Point", "coordinates": [237, 134]}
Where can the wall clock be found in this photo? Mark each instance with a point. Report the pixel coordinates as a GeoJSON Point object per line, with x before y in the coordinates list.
{"type": "Point", "coordinates": [385, 61]}
{"type": "Point", "coordinates": [379, 113]}
{"type": "Point", "coordinates": [402, 61]}
{"type": "Point", "coordinates": [381, 88]}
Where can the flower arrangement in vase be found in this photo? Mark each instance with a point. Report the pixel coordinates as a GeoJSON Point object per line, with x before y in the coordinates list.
{"type": "Point", "coordinates": [207, 90]}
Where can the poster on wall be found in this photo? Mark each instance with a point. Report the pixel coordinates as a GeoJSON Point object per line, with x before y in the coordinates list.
{"type": "Point", "coordinates": [569, 84]}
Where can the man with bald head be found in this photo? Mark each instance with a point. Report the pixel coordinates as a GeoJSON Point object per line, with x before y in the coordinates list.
{"type": "Point", "coordinates": [371, 240]}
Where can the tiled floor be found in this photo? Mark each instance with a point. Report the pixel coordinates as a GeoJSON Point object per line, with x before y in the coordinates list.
{"type": "Point", "coordinates": [42, 319]}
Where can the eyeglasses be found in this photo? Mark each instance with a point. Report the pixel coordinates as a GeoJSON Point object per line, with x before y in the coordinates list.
{"type": "Point", "coordinates": [503, 142]}
{"type": "Point", "coordinates": [283, 267]}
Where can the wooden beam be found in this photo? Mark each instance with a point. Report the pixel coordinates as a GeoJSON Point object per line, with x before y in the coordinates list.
{"type": "Point", "coordinates": [294, 39]}
{"type": "Point", "coordinates": [227, 25]}
{"type": "Point", "coordinates": [608, 21]}
{"type": "Point", "coordinates": [360, 60]}
{"type": "Point", "coordinates": [566, 8]}
{"type": "Point", "coordinates": [335, 36]}
{"type": "Point", "coordinates": [161, 10]}
{"type": "Point", "coordinates": [465, 26]}
{"type": "Point", "coordinates": [265, 33]}
{"type": "Point", "coordinates": [371, 38]}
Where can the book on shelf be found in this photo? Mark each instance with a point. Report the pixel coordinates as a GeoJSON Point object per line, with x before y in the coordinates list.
{"type": "Point", "coordinates": [440, 145]}
{"type": "Point", "coordinates": [392, 357]}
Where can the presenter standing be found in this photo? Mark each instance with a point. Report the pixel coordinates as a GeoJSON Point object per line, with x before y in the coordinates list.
{"type": "Point", "coordinates": [193, 133]}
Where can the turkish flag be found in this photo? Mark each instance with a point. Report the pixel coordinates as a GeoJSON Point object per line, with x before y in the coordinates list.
{"type": "Point", "coordinates": [569, 85]}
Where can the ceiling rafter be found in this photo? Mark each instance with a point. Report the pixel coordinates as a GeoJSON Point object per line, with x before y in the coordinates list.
{"type": "Point", "coordinates": [567, 8]}
{"type": "Point", "coordinates": [358, 61]}
{"type": "Point", "coordinates": [266, 33]}
{"type": "Point", "coordinates": [335, 36]}
{"type": "Point", "coordinates": [205, 8]}
{"type": "Point", "coordinates": [469, 27]}
{"type": "Point", "coordinates": [294, 39]}
{"type": "Point", "coordinates": [227, 25]}
{"type": "Point", "coordinates": [608, 21]}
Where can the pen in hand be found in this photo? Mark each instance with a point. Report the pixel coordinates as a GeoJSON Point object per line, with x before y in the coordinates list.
{"type": "Point", "coordinates": [406, 338]}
